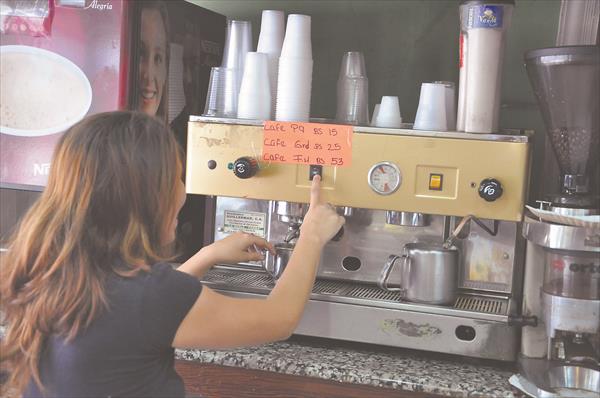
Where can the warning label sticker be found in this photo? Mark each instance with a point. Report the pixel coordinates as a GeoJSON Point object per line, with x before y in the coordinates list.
{"type": "Point", "coordinates": [245, 221]}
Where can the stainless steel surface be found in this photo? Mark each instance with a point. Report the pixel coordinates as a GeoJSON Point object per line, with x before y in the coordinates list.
{"type": "Point", "coordinates": [406, 218]}
{"type": "Point", "coordinates": [483, 304]}
{"type": "Point", "coordinates": [429, 273]}
{"type": "Point", "coordinates": [521, 136]}
{"type": "Point", "coordinates": [289, 212]}
{"type": "Point", "coordinates": [572, 274]}
{"type": "Point", "coordinates": [570, 211]}
{"type": "Point", "coordinates": [564, 237]}
{"type": "Point", "coordinates": [347, 211]}
{"type": "Point", "coordinates": [465, 307]}
{"type": "Point", "coordinates": [385, 274]}
{"type": "Point", "coordinates": [401, 324]}
{"type": "Point", "coordinates": [490, 308]}
{"type": "Point", "coordinates": [574, 378]}
{"type": "Point", "coordinates": [542, 378]}
{"type": "Point", "coordinates": [570, 315]}
{"type": "Point", "coordinates": [279, 261]}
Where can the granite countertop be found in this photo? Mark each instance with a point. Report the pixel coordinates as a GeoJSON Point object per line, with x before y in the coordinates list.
{"type": "Point", "coordinates": [371, 365]}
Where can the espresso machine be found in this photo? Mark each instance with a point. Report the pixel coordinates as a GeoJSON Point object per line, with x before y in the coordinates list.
{"type": "Point", "coordinates": [561, 355]}
{"type": "Point", "coordinates": [404, 191]}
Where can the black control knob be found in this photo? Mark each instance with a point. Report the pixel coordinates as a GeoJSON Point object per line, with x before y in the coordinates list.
{"type": "Point", "coordinates": [245, 167]}
{"type": "Point", "coordinates": [490, 189]}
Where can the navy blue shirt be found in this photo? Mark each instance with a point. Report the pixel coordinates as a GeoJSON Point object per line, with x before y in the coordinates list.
{"type": "Point", "coordinates": [127, 350]}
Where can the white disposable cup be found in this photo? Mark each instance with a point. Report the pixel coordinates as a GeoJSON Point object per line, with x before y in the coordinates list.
{"type": "Point", "coordinates": [389, 113]}
{"type": "Point", "coordinates": [222, 96]}
{"type": "Point", "coordinates": [375, 113]}
{"type": "Point", "coordinates": [431, 113]}
{"type": "Point", "coordinates": [297, 41]}
{"type": "Point", "coordinates": [270, 40]}
{"type": "Point", "coordinates": [254, 101]}
{"type": "Point", "coordinates": [272, 31]}
{"type": "Point", "coordinates": [294, 78]}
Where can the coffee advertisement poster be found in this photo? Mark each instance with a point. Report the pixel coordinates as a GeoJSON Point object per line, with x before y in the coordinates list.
{"type": "Point", "coordinates": [63, 60]}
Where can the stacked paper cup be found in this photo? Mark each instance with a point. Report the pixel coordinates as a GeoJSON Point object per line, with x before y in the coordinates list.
{"type": "Point", "coordinates": [431, 113]}
{"type": "Point", "coordinates": [272, 30]}
{"type": "Point", "coordinates": [388, 114]}
{"type": "Point", "coordinates": [294, 82]}
{"type": "Point", "coordinates": [255, 93]}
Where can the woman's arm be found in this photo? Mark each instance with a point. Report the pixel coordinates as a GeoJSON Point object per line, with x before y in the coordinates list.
{"type": "Point", "coordinates": [236, 248]}
{"type": "Point", "coordinates": [219, 321]}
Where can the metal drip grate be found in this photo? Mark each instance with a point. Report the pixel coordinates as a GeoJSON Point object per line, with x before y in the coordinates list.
{"type": "Point", "coordinates": [486, 305]}
{"type": "Point", "coordinates": [260, 281]}
{"type": "Point", "coordinates": [239, 278]}
{"type": "Point", "coordinates": [328, 287]}
{"type": "Point", "coordinates": [374, 293]}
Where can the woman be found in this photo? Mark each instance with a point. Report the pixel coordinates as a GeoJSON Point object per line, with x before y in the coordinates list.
{"type": "Point", "coordinates": [152, 95]}
{"type": "Point", "coordinates": [90, 305]}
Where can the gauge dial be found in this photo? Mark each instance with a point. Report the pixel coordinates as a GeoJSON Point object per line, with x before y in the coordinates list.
{"type": "Point", "coordinates": [385, 178]}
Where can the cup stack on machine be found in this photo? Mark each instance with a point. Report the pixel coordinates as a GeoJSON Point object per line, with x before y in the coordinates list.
{"type": "Point", "coordinates": [225, 81]}
{"type": "Point", "coordinates": [294, 83]}
{"type": "Point", "coordinates": [388, 113]}
{"type": "Point", "coordinates": [270, 41]}
{"type": "Point", "coordinates": [353, 90]}
{"type": "Point", "coordinates": [436, 109]}
{"type": "Point", "coordinates": [254, 100]}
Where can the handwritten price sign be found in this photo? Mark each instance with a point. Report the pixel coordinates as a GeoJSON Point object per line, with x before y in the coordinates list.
{"type": "Point", "coordinates": [307, 143]}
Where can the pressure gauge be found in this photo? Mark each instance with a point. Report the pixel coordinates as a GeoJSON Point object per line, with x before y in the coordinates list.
{"type": "Point", "coordinates": [385, 178]}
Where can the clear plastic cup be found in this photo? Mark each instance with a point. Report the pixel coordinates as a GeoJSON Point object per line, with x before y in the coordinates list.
{"type": "Point", "coordinates": [353, 90]}
{"type": "Point", "coordinates": [353, 65]}
{"type": "Point", "coordinates": [237, 43]}
{"type": "Point", "coordinates": [254, 100]}
{"type": "Point", "coordinates": [297, 41]}
{"type": "Point", "coordinates": [353, 100]}
{"type": "Point", "coordinates": [222, 96]}
{"type": "Point", "coordinates": [450, 89]}
{"type": "Point", "coordinates": [389, 113]}
{"type": "Point", "coordinates": [431, 113]}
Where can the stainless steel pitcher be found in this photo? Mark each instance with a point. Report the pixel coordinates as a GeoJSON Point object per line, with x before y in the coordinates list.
{"type": "Point", "coordinates": [429, 273]}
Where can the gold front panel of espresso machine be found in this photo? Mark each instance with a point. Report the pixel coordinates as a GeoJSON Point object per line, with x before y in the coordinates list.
{"type": "Point", "coordinates": [438, 173]}
{"type": "Point", "coordinates": [402, 187]}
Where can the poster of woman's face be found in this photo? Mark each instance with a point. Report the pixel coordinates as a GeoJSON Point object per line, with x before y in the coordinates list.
{"type": "Point", "coordinates": [153, 65]}
{"type": "Point", "coordinates": [176, 43]}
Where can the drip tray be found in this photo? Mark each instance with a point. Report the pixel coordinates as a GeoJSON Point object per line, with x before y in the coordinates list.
{"type": "Point", "coordinates": [341, 291]}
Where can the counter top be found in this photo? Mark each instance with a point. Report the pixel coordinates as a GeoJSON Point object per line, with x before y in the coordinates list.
{"type": "Point", "coordinates": [371, 365]}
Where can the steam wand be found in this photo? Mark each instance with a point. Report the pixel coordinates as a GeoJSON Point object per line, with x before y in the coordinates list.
{"type": "Point", "coordinates": [448, 243]}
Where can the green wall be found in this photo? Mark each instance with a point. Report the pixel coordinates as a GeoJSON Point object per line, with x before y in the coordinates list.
{"type": "Point", "coordinates": [407, 42]}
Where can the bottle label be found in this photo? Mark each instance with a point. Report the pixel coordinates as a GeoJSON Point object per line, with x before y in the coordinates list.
{"type": "Point", "coordinates": [485, 16]}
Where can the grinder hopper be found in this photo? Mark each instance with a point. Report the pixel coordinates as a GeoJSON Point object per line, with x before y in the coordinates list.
{"type": "Point", "coordinates": [566, 83]}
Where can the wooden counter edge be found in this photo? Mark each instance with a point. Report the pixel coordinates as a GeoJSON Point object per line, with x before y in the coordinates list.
{"type": "Point", "coordinates": [217, 381]}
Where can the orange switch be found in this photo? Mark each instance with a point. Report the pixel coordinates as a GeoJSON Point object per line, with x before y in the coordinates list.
{"type": "Point", "coordinates": [435, 182]}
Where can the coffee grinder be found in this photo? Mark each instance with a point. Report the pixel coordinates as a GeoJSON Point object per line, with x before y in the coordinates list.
{"type": "Point", "coordinates": [561, 355]}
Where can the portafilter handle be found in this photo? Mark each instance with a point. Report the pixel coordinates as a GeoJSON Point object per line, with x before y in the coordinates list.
{"type": "Point", "coordinates": [385, 274]}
